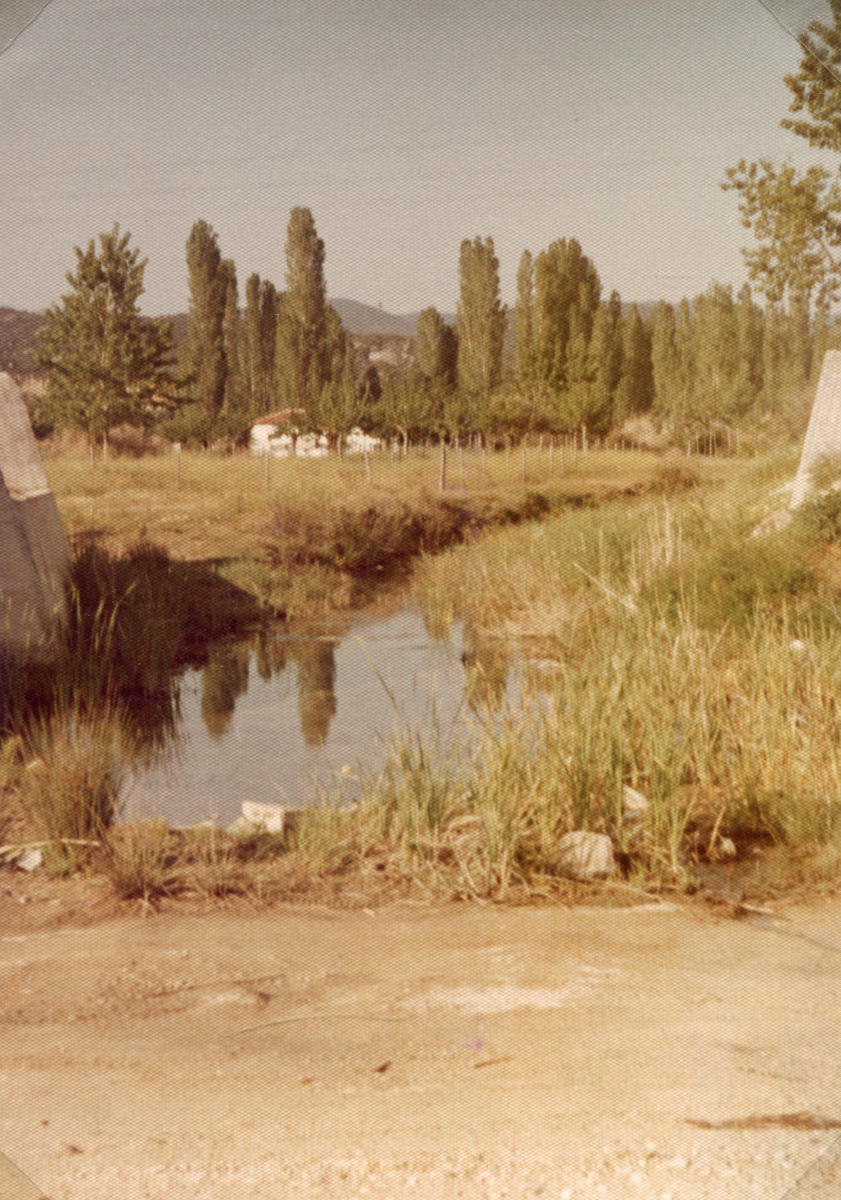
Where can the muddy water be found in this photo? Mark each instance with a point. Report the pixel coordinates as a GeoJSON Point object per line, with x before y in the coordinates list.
{"type": "Point", "coordinates": [285, 717]}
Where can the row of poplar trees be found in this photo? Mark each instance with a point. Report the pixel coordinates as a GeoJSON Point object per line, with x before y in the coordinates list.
{"type": "Point", "coordinates": [567, 360]}
{"type": "Point", "coordinates": [286, 351]}
{"type": "Point", "coordinates": [580, 361]}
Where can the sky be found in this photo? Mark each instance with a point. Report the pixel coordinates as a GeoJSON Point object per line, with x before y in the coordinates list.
{"type": "Point", "coordinates": [405, 126]}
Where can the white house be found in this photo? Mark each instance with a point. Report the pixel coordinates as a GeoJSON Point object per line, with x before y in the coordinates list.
{"type": "Point", "coordinates": [266, 440]}
{"type": "Point", "coordinates": [358, 442]}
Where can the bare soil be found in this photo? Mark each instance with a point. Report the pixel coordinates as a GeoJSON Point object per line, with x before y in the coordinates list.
{"type": "Point", "coordinates": [665, 1050]}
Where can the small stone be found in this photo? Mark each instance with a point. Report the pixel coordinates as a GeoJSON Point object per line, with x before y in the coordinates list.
{"type": "Point", "coordinates": [29, 859]}
{"type": "Point", "coordinates": [585, 855]}
{"type": "Point", "coordinates": [724, 848]}
{"type": "Point", "coordinates": [635, 806]}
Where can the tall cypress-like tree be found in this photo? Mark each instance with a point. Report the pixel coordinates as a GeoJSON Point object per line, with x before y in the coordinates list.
{"type": "Point", "coordinates": [636, 387]}
{"type": "Point", "coordinates": [303, 342]}
{"type": "Point", "coordinates": [269, 307]}
{"type": "Point", "coordinates": [204, 354]}
{"type": "Point", "coordinates": [436, 349]}
{"type": "Point", "coordinates": [685, 363]}
{"type": "Point", "coordinates": [252, 345]}
{"type": "Point", "coordinates": [103, 362]}
{"type": "Point", "coordinates": [480, 318]}
{"type": "Point", "coordinates": [664, 360]}
{"type": "Point", "coordinates": [259, 338]}
{"type": "Point", "coordinates": [232, 340]}
{"type": "Point", "coordinates": [524, 320]}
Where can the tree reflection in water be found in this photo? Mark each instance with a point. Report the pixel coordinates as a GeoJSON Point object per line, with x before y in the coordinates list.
{"type": "Point", "coordinates": [316, 662]}
{"type": "Point", "coordinates": [224, 678]}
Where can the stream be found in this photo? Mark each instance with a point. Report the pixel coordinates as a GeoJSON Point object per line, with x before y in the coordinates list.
{"type": "Point", "coordinates": [285, 717]}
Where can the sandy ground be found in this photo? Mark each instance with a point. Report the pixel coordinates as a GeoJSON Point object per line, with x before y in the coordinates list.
{"type": "Point", "coordinates": [421, 1051]}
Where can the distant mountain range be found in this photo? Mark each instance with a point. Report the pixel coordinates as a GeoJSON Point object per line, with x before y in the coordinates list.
{"type": "Point", "coordinates": [18, 328]}
{"type": "Point", "coordinates": [363, 319]}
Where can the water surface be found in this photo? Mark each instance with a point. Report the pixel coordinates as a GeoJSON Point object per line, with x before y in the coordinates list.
{"type": "Point", "coordinates": [284, 717]}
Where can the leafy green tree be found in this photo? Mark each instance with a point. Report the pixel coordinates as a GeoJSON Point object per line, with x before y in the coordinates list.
{"type": "Point", "coordinates": [480, 318]}
{"type": "Point", "coordinates": [269, 309]}
{"type": "Point", "coordinates": [594, 379]}
{"type": "Point", "coordinates": [104, 362]}
{"type": "Point", "coordinates": [259, 340]}
{"type": "Point", "coordinates": [252, 352]}
{"type": "Point", "coordinates": [716, 344]}
{"type": "Point", "coordinates": [567, 292]}
{"type": "Point", "coordinates": [343, 404]}
{"type": "Point", "coordinates": [795, 215]}
{"type": "Point", "coordinates": [409, 407]}
{"type": "Point", "coordinates": [205, 365]}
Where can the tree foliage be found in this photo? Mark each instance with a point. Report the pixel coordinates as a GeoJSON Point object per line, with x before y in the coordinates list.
{"type": "Point", "coordinates": [303, 335]}
{"type": "Point", "coordinates": [480, 318]}
{"type": "Point", "coordinates": [796, 216]}
{"type": "Point", "coordinates": [234, 395]}
{"type": "Point", "coordinates": [436, 349]}
{"type": "Point", "coordinates": [104, 363]}
{"type": "Point", "coordinates": [205, 365]}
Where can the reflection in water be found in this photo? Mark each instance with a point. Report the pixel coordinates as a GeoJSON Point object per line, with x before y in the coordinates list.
{"type": "Point", "coordinates": [270, 654]}
{"type": "Point", "coordinates": [224, 679]}
{"type": "Point", "coordinates": [275, 735]}
{"type": "Point", "coordinates": [316, 662]}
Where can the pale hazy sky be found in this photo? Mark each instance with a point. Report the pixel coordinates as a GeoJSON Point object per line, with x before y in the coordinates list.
{"type": "Point", "coordinates": [405, 126]}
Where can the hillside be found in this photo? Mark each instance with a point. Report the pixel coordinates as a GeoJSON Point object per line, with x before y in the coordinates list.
{"type": "Point", "coordinates": [18, 328]}
{"type": "Point", "coordinates": [17, 337]}
{"type": "Point", "coordinates": [363, 319]}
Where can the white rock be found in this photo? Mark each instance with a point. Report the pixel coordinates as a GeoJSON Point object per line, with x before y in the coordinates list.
{"type": "Point", "coordinates": [270, 817]}
{"type": "Point", "coordinates": [29, 859]}
{"type": "Point", "coordinates": [585, 855]}
{"type": "Point", "coordinates": [635, 806]}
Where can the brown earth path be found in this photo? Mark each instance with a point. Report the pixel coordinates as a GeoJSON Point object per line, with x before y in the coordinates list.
{"type": "Point", "coordinates": [422, 1051]}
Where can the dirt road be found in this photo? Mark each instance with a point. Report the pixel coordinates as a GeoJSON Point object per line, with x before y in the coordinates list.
{"type": "Point", "coordinates": [453, 1051]}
